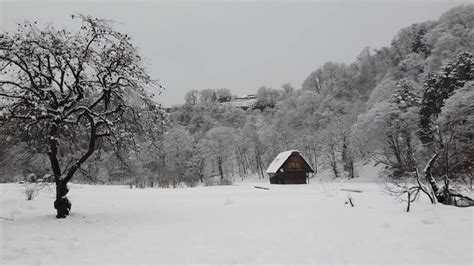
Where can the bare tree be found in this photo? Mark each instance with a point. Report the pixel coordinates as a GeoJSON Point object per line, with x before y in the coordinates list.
{"type": "Point", "coordinates": [191, 97]}
{"type": "Point", "coordinates": [287, 88]}
{"type": "Point", "coordinates": [72, 93]}
{"type": "Point", "coordinates": [218, 145]}
{"type": "Point", "coordinates": [446, 194]}
{"type": "Point", "coordinates": [410, 186]}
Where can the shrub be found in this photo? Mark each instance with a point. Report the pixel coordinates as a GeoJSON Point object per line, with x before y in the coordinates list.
{"type": "Point", "coordinates": [30, 192]}
{"type": "Point", "coordinates": [209, 182]}
{"type": "Point", "coordinates": [31, 189]}
{"type": "Point", "coordinates": [226, 182]}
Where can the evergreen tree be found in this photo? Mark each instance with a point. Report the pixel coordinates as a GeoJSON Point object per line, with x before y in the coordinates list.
{"type": "Point", "coordinates": [439, 87]}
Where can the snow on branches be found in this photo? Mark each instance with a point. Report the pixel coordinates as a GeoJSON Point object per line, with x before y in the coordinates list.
{"type": "Point", "coordinates": [75, 90]}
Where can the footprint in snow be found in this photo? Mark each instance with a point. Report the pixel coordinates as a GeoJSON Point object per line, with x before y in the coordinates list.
{"type": "Point", "coordinates": [426, 221]}
{"type": "Point", "coordinates": [387, 225]}
{"type": "Point", "coordinates": [228, 202]}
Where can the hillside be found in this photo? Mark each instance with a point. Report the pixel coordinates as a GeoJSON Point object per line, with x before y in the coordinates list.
{"type": "Point", "coordinates": [339, 116]}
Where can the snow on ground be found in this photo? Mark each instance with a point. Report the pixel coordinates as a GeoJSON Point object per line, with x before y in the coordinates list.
{"type": "Point", "coordinates": [232, 224]}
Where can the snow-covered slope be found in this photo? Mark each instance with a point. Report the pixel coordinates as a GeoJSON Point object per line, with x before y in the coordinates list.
{"type": "Point", "coordinates": [231, 224]}
{"type": "Point", "coordinates": [364, 173]}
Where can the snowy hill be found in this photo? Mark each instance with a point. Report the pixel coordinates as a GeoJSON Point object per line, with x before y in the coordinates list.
{"type": "Point", "coordinates": [231, 224]}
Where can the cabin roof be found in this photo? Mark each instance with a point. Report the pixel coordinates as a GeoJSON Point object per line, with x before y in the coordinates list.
{"type": "Point", "coordinates": [281, 159]}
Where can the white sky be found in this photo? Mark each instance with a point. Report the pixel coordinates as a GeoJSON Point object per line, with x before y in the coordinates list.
{"type": "Point", "coordinates": [239, 45]}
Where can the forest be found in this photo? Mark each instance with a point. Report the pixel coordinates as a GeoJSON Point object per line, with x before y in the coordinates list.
{"type": "Point", "coordinates": [407, 106]}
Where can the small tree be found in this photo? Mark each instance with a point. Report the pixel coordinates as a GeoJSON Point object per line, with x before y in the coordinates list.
{"type": "Point", "coordinates": [178, 147]}
{"type": "Point", "coordinates": [72, 93]}
{"type": "Point", "coordinates": [389, 140]}
{"type": "Point", "coordinates": [287, 88]}
{"type": "Point", "coordinates": [218, 145]}
{"type": "Point", "coordinates": [456, 122]}
{"type": "Point", "coordinates": [191, 97]}
{"type": "Point", "coordinates": [267, 97]}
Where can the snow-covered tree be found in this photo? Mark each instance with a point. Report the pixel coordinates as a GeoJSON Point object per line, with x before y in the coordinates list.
{"type": "Point", "coordinates": [287, 88]}
{"type": "Point", "coordinates": [223, 95]}
{"type": "Point", "coordinates": [74, 92]}
{"type": "Point", "coordinates": [191, 97]}
{"type": "Point", "coordinates": [218, 145]}
{"type": "Point", "coordinates": [456, 131]}
{"type": "Point", "coordinates": [178, 146]}
{"type": "Point", "coordinates": [267, 97]}
{"type": "Point", "coordinates": [207, 96]}
{"type": "Point", "coordinates": [439, 87]}
{"type": "Point", "coordinates": [385, 132]}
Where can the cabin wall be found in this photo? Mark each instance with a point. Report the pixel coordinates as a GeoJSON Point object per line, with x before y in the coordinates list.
{"type": "Point", "coordinates": [294, 164]}
{"type": "Point", "coordinates": [289, 178]}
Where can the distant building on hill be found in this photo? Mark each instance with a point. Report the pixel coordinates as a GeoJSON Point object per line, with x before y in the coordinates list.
{"type": "Point", "coordinates": [245, 102]}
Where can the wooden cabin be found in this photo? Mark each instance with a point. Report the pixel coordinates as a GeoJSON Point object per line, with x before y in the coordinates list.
{"type": "Point", "coordinates": [289, 167]}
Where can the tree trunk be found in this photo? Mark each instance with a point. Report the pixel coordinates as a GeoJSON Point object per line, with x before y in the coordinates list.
{"type": "Point", "coordinates": [334, 169]}
{"type": "Point", "coordinates": [429, 178]}
{"type": "Point", "coordinates": [351, 168]}
{"type": "Point", "coordinates": [332, 161]}
{"type": "Point", "coordinates": [315, 161]}
{"type": "Point", "coordinates": [445, 196]}
{"type": "Point", "coordinates": [62, 203]}
{"type": "Point", "coordinates": [258, 160]}
{"type": "Point", "coordinates": [410, 160]}
{"type": "Point", "coordinates": [396, 151]}
{"type": "Point", "coordinates": [408, 201]}
{"type": "Point", "coordinates": [221, 170]}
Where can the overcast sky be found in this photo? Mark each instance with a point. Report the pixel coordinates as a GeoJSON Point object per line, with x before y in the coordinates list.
{"type": "Point", "coordinates": [239, 45]}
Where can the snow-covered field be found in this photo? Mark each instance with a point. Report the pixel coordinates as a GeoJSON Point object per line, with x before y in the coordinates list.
{"type": "Point", "coordinates": [232, 224]}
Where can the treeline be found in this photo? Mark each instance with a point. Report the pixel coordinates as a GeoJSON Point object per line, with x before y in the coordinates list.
{"type": "Point", "coordinates": [397, 105]}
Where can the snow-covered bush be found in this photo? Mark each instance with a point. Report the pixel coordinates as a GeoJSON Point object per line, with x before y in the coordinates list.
{"type": "Point", "coordinates": [32, 188]}
{"type": "Point", "coordinates": [30, 191]}
{"type": "Point", "coordinates": [209, 182]}
{"type": "Point", "coordinates": [226, 182]}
